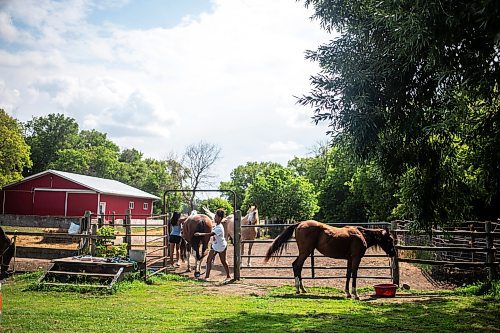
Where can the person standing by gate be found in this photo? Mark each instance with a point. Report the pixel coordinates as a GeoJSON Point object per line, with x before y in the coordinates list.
{"type": "Point", "coordinates": [174, 238]}
{"type": "Point", "coordinates": [219, 244]}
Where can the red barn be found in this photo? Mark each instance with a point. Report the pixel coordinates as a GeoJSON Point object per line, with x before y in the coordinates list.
{"type": "Point", "coordinates": [57, 193]}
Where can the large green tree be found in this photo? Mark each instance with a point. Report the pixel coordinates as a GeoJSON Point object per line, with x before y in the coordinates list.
{"type": "Point", "coordinates": [242, 177]}
{"type": "Point", "coordinates": [281, 194]}
{"type": "Point", "coordinates": [47, 136]}
{"type": "Point", "coordinates": [392, 86]}
{"type": "Point", "coordinates": [14, 152]}
{"type": "Point", "coordinates": [92, 154]}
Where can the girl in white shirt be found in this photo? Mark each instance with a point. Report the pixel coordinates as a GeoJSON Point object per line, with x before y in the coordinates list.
{"type": "Point", "coordinates": [219, 244]}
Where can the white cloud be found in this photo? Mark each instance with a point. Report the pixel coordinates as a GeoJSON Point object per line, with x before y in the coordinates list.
{"type": "Point", "coordinates": [281, 147]}
{"type": "Point", "coordinates": [226, 77]}
{"type": "Point", "coordinates": [7, 30]}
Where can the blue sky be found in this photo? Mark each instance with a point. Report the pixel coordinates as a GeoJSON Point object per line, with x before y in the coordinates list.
{"type": "Point", "coordinates": [160, 75]}
{"type": "Point", "coordinates": [150, 13]}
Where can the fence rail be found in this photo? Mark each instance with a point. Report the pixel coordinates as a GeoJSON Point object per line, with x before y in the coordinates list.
{"type": "Point", "coordinates": [314, 265]}
{"type": "Point", "coordinates": [456, 247]}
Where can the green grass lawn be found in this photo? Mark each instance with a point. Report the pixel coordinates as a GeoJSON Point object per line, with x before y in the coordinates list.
{"type": "Point", "coordinates": [174, 304]}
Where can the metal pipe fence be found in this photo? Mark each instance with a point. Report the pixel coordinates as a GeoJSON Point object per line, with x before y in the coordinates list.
{"type": "Point", "coordinates": [314, 264]}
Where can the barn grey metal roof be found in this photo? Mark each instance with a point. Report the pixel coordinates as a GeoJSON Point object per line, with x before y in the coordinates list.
{"type": "Point", "coordinates": [101, 185]}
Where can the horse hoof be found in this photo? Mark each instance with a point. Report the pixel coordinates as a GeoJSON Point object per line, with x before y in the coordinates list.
{"type": "Point", "coordinates": [197, 274]}
{"type": "Point", "coordinates": [347, 296]}
{"type": "Point", "coordinates": [356, 298]}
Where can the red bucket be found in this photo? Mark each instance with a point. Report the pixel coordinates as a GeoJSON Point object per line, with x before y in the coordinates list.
{"type": "Point", "coordinates": [385, 289]}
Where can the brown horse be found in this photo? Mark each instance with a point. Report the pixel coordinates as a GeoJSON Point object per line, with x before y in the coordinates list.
{"type": "Point", "coordinates": [348, 243]}
{"type": "Point", "coordinates": [247, 233]}
{"type": "Point", "coordinates": [191, 225]}
{"type": "Point", "coordinates": [6, 254]}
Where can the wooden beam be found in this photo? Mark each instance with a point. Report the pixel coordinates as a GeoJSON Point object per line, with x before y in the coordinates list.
{"type": "Point", "coordinates": [442, 248]}
{"type": "Point", "coordinates": [43, 253]}
{"type": "Point", "coordinates": [448, 263]}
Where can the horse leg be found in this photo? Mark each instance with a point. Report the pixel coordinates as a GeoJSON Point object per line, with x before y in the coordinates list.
{"type": "Point", "coordinates": [197, 263]}
{"type": "Point", "coordinates": [348, 278]}
{"type": "Point", "coordinates": [188, 255]}
{"type": "Point", "coordinates": [297, 272]}
{"type": "Point", "coordinates": [250, 245]}
{"type": "Point", "coordinates": [355, 265]}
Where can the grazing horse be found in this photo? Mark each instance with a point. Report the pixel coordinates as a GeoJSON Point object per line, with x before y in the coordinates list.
{"type": "Point", "coordinates": [191, 225]}
{"type": "Point", "coordinates": [6, 254]}
{"type": "Point", "coordinates": [348, 243]}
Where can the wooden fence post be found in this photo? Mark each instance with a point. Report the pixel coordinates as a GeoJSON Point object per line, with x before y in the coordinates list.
{"type": "Point", "coordinates": [128, 230]}
{"type": "Point", "coordinates": [490, 255]}
{"type": "Point", "coordinates": [112, 222]}
{"type": "Point", "coordinates": [93, 232]}
{"type": "Point", "coordinates": [87, 220]}
{"type": "Point", "coordinates": [395, 260]}
{"type": "Point", "coordinates": [85, 229]}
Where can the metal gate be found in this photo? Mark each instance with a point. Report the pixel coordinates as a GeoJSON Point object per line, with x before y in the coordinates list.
{"type": "Point", "coordinates": [237, 222]}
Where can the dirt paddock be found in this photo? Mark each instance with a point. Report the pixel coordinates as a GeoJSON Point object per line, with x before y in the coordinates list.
{"type": "Point", "coordinates": [411, 275]}
{"type": "Point", "coordinates": [414, 277]}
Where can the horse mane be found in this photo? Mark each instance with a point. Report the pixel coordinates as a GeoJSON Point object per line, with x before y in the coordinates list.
{"type": "Point", "coordinates": [373, 237]}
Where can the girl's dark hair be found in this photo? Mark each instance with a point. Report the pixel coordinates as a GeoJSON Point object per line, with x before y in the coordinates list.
{"type": "Point", "coordinates": [175, 218]}
{"type": "Point", "coordinates": [220, 213]}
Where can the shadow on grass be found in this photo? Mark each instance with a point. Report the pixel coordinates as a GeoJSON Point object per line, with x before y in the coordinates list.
{"type": "Point", "coordinates": [430, 315]}
{"type": "Point", "coordinates": [309, 296]}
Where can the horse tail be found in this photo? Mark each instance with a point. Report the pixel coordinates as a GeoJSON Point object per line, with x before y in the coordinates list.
{"type": "Point", "coordinates": [280, 242]}
{"type": "Point", "coordinates": [200, 227]}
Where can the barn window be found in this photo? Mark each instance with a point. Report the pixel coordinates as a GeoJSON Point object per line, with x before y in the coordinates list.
{"type": "Point", "coordinates": [131, 205]}
{"type": "Point", "coordinates": [145, 206]}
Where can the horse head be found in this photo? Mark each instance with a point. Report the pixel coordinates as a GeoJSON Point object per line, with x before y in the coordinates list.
{"type": "Point", "coordinates": [381, 238]}
{"type": "Point", "coordinates": [252, 216]}
{"type": "Point", "coordinates": [386, 242]}
{"type": "Point", "coordinates": [6, 253]}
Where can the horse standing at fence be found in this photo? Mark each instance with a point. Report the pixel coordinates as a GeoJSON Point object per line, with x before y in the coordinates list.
{"type": "Point", "coordinates": [192, 224]}
{"type": "Point", "coordinates": [348, 243]}
{"type": "Point", "coordinates": [247, 233]}
{"type": "Point", "coordinates": [6, 253]}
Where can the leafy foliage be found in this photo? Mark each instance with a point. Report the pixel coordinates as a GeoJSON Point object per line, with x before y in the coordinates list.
{"type": "Point", "coordinates": [47, 136]}
{"type": "Point", "coordinates": [281, 194]}
{"type": "Point", "coordinates": [14, 152]}
{"type": "Point", "coordinates": [396, 87]}
{"type": "Point", "coordinates": [242, 177]}
{"type": "Point", "coordinates": [105, 248]}
{"type": "Point", "coordinates": [215, 203]}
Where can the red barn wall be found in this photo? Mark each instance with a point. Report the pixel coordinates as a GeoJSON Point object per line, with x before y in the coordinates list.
{"type": "Point", "coordinates": [17, 202]}
{"type": "Point", "coordinates": [119, 205]}
{"type": "Point", "coordinates": [23, 199]}
{"type": "Point", "coordinates": [46, 181]}
{"type": "Point", "coordinates": [49, 203]}
{"type": "Point", "coordinates": [78, 203]}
